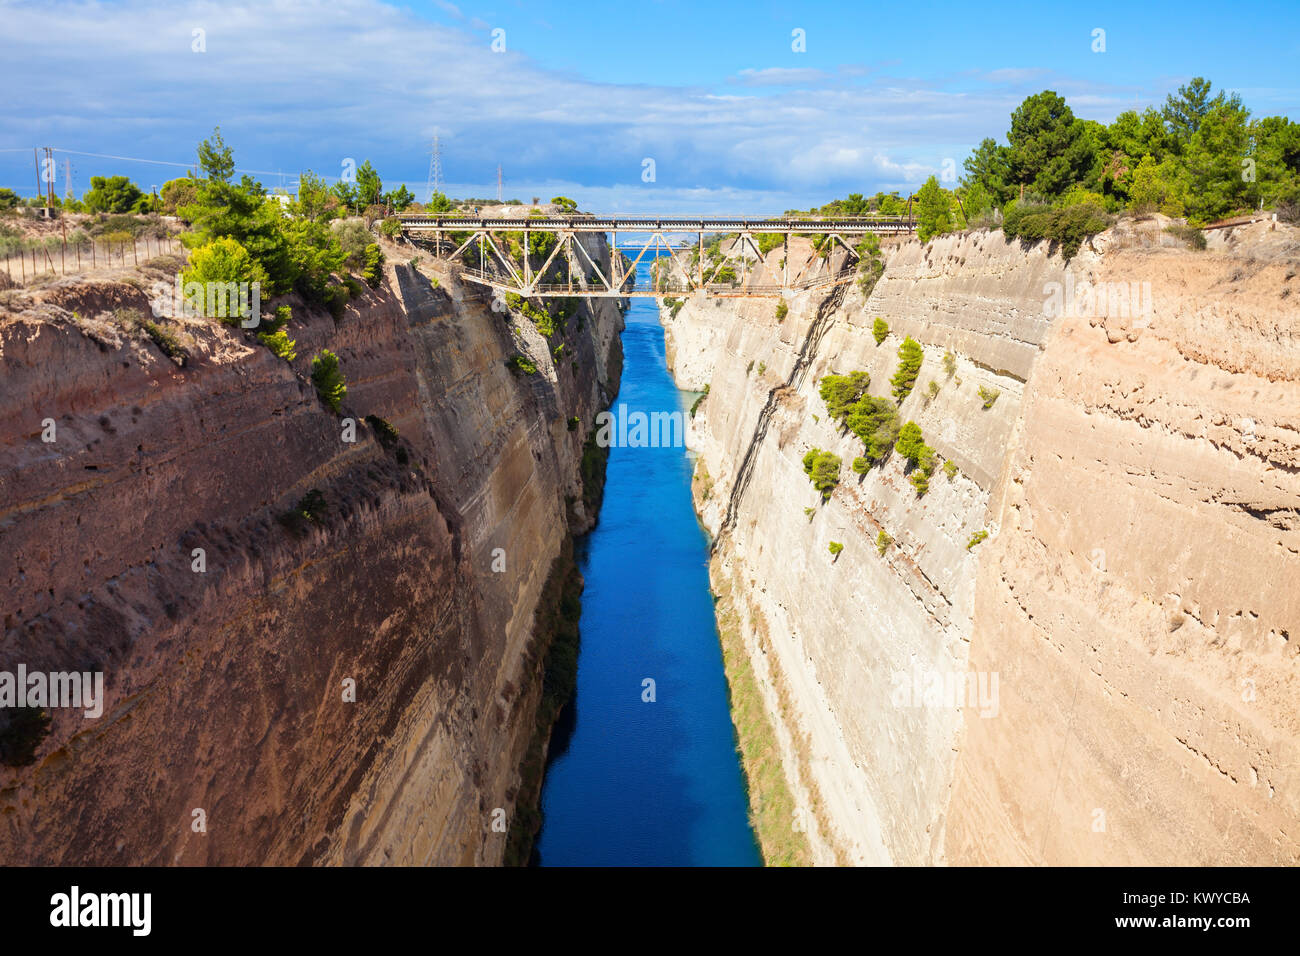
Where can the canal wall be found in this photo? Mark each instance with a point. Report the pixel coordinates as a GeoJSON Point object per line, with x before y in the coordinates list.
{"type": "Point", "coordinates": [1079, 646]}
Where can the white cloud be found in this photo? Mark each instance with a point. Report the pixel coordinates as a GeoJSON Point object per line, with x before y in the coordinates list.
{"type": "Point", "coordinates": [309, 83]}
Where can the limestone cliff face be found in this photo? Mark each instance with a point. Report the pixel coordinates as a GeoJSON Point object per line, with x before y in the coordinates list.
{"type": "Point", "coordinates": [1161, 447]}
{"type": "Point", "coordinates": [225, 689]}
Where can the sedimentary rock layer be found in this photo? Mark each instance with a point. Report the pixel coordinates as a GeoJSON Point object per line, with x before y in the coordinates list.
{"type": "Point", "coordinates": [226, 687]}
{"type": "Point", "coordinates": [1135, 599]}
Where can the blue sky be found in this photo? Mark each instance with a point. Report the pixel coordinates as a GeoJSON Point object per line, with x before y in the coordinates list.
{"type": "Point", "coordinates": [734, 119]}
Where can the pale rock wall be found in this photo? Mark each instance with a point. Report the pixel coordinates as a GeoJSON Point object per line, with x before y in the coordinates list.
{"type": "Point", "coordinates": [1133, 448]}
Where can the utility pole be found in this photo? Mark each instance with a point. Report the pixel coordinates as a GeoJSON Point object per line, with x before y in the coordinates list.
{"type": "Point", "coordinates": [67, 179]}
{"type": "Point", "coordinates": [435, 167]}
{"type": "Point", "coordinates": [49, 170]}
{"type": "Point", "coordinates": [36, 160]}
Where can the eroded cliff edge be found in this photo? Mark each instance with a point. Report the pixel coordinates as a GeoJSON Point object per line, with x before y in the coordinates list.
{"type": "Point", "coordinates": [1139, 476]}
{"type": "Point", "coordinates": [421, 583]}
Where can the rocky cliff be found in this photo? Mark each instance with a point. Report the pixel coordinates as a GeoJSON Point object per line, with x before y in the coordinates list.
{"type": "Point", "coordinates": [355, 680]}
{"type": "Point", "coordinates": [1111, 675]}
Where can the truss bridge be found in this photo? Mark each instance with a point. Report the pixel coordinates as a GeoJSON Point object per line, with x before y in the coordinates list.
{"type": "Point", "coordinates": [560, 263]}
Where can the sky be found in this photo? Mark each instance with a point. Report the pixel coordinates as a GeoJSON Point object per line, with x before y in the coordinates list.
{"type": "Point", "coordinates": [654, 107]}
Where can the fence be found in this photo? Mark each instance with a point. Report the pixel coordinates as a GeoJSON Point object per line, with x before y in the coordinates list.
{"type": "Point", "coordinates": [61, 257]}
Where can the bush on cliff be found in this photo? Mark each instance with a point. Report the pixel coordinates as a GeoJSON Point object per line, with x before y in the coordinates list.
{"type": "Point", "coordinates": [823, 469]}
{"type": "Point", "coordinates": [23, 730]}
{"type": "Point", "coordinates": [223, 261]}
{"type": "Point", "coordinates": [842, 392]}
{"type": "Point", "coordinates": [328, 379]}
{"type": "Point", "coordinates": [911, 445]}
{"type": "Point", "coordinates": [872, 419]}
{"type": "Point", "coordinates": [879, 330]}
{"type": "Point", "coordinates": [910, 356]}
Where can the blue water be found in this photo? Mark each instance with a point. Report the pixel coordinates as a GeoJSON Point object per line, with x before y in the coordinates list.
{"type": "Point", "coordinates": [633, 783]}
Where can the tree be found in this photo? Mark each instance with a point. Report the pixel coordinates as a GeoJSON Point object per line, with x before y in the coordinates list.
{"type": "Point", "coordinates": [987, 168]}
{"type": "Point", "coordinates": [879, 330]}
{"type": "Point", "coordinates": [176, 193]}
{"type": "Point", "coordinates": [823, 469]}
{"type": "Point", "coordinates": [369, 185]}
{"type": "Point", "coordinates": [910, 441]}
{"type": "Point", "coordinates": [438, 202]}
{"type": "Point", "coordinates": [8, 199]}
{"type": "Point", "coordinates": [1185, 112]}
{"type": "Point", "coordinates": [115, 194]}
{"type": "Point", "coordinates": [251, 186]}
{"type": "Point", "coordinates": [565, 203]}
{"type": "Point", "coordinates": [346, 194]}
{"type": "Point", "coordinates": [910, 355]}
{"type": "Point", "coordinates": [315, 201]}
{"type": "Point", "coordinates": [399, 198]}
{"type": "Point", "coordinates": [223, 260]}
{"type": "Point", "coordinates": [1050, 149]}
{"type": "Point", "coordinates": [216, 158]}
{"type": "Point", "coordinates": [327, 378]}
{"type": "Point", "coordinates": [932, 216]}
{"type": "Point", "coordinates": [842, 392]}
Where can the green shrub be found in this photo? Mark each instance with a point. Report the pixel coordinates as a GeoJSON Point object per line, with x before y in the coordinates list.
{"type": "Point", "coordinates": [224, 261]}
{"type": "Point", "coordinates": [880, 330]}
{"type": "Point", "coordinates": [385, 433]}
{"type": "Point", "coordinates": [861, 465]}
{"type": "Point", "coordinates": [574, 422]}
{"type": "Point", "coordinates": [782, 310]}
{"type": "Point", "coordinates": [327, 378]}
{"type": "Point", "coordinates": [911, 445]}
{"type": "Point", "coordinates": [976, 538]}
{"type": "Point", "coordinates": [762, 367]}
{"type": "Point", "coordinates": [950, 364]}
{"type": "Point", "coordinates": [279, 343]}
{"type": "Point", "coordinates": [932, 391]}
{"type": "Point", "coordinates": [169, 344]}
{"type": "Point", "coordinates": [950, 469]}
{"type": "Point", "coordinates": [373, 272]}
{"type": "Point", "coordinates": [823, 469]}
{"type": "Point", "coordinates": [910, 355]}
{"type": "Point", "coordinates": [750, 367]}
{"type": "Point", "coordinates": [311, 509]}
{"type": "Point", "coordinates": [883, 541]}
{"type": "Point", "coordinates": [1034, 221]}
{"type": "Point", "coordinates": [519, 363]}
{"type": "Point", "coordinates": [874, 420]}
{"type": "Point", "coordinates": [1194, 237]}
{"type": "Point", "coordinates": [842, 392]}
{"type": "Point", "coordinates": [989, 395]}
{"type": "Point", "coordinates": [21, 734]}
{"type": "Point", "coordinates": [390, 228]}
{"type": "Point", "coordinates": [695, 405]}
{"type": "Point", "coordinates": [810, 513]}
{"type": "Point", "coordinates": [835, 548]}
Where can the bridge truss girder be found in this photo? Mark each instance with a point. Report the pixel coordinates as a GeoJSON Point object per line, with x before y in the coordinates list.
{"type": "Point", "coordinates": [619, 281]}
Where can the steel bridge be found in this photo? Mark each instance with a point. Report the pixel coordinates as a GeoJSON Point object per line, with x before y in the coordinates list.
{"type": "Point", "coordinates": [453, 237]}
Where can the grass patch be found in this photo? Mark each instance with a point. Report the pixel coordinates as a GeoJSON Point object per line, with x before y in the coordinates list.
{"type": "Point", "coordinates": [771, 804]}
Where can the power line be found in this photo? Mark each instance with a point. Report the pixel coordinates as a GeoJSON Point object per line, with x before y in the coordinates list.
{"type": "Point", "coordinates": [163, 162]}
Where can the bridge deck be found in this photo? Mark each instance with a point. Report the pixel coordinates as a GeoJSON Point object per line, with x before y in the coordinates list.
{"type": "Point", "coordinates": [859, 226]}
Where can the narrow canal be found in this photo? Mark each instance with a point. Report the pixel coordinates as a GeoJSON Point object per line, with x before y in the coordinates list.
{"type": "Point", "coordinates": [633, 782]}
